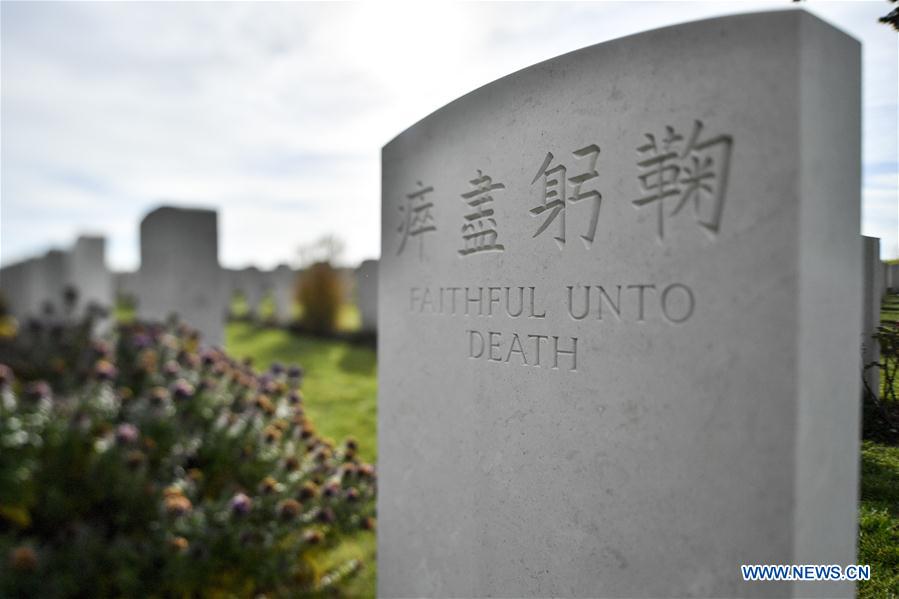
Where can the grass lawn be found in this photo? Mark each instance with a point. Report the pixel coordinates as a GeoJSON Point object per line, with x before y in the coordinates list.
{"type": "Point", "coordinates": [878, 526]}
{"type": "Point", "coordinates": [339, 391]}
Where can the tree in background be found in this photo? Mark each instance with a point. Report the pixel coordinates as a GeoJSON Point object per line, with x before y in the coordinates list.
{"type": "Point", "coordinates": [319, 293]}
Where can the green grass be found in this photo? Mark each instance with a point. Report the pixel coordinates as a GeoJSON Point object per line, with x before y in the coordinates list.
{"type": "Point", "coordinates": [339, 392]}
{"type": "Point", "coordinates": [878, 514]}
{"type": "Point", "coordinates": [890, 308]}
{"type": "Point", "coordinates": [878, 527]}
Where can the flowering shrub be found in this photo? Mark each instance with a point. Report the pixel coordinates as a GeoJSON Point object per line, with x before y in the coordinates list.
{"type": "Point", "coordinates": [144, 466]}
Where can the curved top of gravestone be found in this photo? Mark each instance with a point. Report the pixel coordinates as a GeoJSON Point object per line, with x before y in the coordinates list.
{"type": "Point", "coordinates": [691, 33]}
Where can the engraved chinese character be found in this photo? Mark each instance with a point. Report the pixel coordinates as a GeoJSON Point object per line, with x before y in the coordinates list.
{"type": "Point", "coordinates": [416, 217]}
{"type": "Point", "coordinates": [479, 231]}
{"type": "Point", "coordinates": [692, 170]}
{"type": "Point", "coordinates": [555, 197]}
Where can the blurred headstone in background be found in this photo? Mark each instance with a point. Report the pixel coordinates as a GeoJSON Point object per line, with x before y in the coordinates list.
{"type": "Point", "coordinates": [367, 295]}
{"type": "Point", "coordinates": [873, 294]}
{"type": "Point", "coordinates": [179, 270]}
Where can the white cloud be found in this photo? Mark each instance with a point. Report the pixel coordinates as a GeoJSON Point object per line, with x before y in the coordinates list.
{"type": "Point", "coordinates": [275, 112]}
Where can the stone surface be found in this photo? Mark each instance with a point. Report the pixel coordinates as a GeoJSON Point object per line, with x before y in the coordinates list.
{"type": "Point", "coordinates": [367, 294]}
{"type": "Point", "coordinates": [52, 277]}
{"type": "Point", "coordinates": [88, 272]}
{"type": "Point", "coordinates": [871, 319]}
{"type": "Point", "coordinates": [179, 271]}
{"type": "Point", "coordinates": [701, 412]}
{"type": "Point", "coordinates": [18, 283]}
{"type": "Point", "coordinates": [892, 274]}
{"type": "Point", "coordinates": [283, 288]}
{"type": "Point", "coordinates": [253, 286]}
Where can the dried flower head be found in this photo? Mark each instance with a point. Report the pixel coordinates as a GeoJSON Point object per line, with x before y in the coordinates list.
{"type": "Point", "coordinates": [289, 509]}
{"type": "Point", "coordinates": [177, 505]}
{"type": "Point", "coordinates": [23, 559]}
{"type": "Point", "coordinates": [135, 459]}
{"type": "Point", "coordinates": [268, 485]}
{"type": "Point", "coordinates": [179, 544]}
{"type": "Point", "coordinates": [158, 396]}
{"type": "Point", "coordinates": [271, 434]}
{"type": "Point", "coordinates": [313, 537]}
{"type": "Point", "coordinates": [104, 370]}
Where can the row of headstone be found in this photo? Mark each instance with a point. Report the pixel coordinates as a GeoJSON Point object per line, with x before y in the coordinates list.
{"type": "Point", "coordinates": [255, 285]}
{"type": "Point", "coordinates": [875, 289]}
{"type": "Point", "coordinates": [36, 286]}
{"type": "Point", "coordinates": [619, 311]}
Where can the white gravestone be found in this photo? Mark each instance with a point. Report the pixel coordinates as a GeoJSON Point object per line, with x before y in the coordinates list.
{"type": "Point", "coordinates": [619, 319]}
{"type": "Point", "coordinates": [88, 272]}
{"type": "Point", "coordinates": [871, 318]}
{"type": "Point", "coordinates": [179, 270]}
{"type": "Point", "coordinates": [252, 285]}
{"type": "Point", "coordinates": [52, 279]}
{"type": "Point", "coordinates": [283, 283]}
{"type": "Point", "coordinates": [15, 285]}
{"type": "Point", "coordinates": [367, 294]}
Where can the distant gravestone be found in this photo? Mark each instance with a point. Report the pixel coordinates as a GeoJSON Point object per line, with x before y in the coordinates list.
{"type": "Point", "coordinates": [871, 305]}
{"type": "Point", "coordinates": [88, 273]}
{"type": "Point", "coordinates": [620, 308]}
{"type": "Point", "coordinates": [892, 272]}
{"type": "Point", "coordinates": [52, 278]}
{"type": "Point", "coordinates": [283, 282]}
{"type": "Point", "coordinates": [367, 294]}
{"type": "Point", "coordinates": [252, 285]}
{"type": "Point", "coordinates": [17, 283]}
{"type": "Point", "coordinates": [179, 270]}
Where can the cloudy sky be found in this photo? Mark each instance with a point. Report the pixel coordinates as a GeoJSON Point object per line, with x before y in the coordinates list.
{"type": "Point", "coordinates": [275, 113]}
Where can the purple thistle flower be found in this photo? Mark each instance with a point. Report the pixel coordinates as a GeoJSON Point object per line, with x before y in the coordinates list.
{"type": "Point", "coordinates": [241, 504]}
{"type": "Point", "coordinates": [38, 390]}
{"type": "Point", "coordinates": [181, 389]}
{"type": "Point", "coordinates": [295, 372]}
{"type": "Point", "coordinates": [171, 368]}
{"type": "Point", "coordinates": [126, 434]}
{"type": "Point", "coordinates": [142, 341]}
{"type": "Point", "coordinates": [277, 368]}
{"type": "Point", "coordinates": [326, 515]}
{"type": "Point", "coordinates": [6, 375]}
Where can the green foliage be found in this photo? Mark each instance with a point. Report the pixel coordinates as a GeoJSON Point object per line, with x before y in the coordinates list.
{"type": "Point", "coordinates": [880, 420]}
{"type": "Point", "coordinates": [341, 388]}
{"type": "Point", "coordinates": [319, 292]}
{"type": "Point", "coordinates": [878, 535]}
{"type": "Point", "coordinates": [160, 470]}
